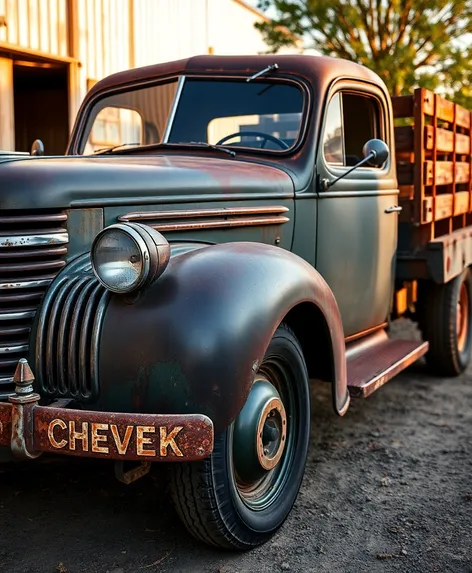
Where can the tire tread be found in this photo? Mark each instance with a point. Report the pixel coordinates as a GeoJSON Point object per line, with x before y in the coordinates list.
{"type": "Point", "coordinates": [198, 505]}
{"type": "Point", "coordinates": [439, 329]}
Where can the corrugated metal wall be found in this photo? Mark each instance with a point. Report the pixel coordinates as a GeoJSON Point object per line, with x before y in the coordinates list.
{"type": "Point", "coordinates": [39, 25]}
{"type": "Point", "coordinates": [168, 30]}
{"type": "Point", "coordinates": [114, 35]}
{"type": "Point", "coordinates": [103, 43]}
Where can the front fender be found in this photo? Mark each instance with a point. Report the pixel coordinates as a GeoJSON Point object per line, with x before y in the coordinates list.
{"type": "Point", "coordinates": [193, 340]}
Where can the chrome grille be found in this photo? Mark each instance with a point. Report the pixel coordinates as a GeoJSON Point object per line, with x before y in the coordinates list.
{"type": "Point", "coordinates": [33, 249]}
{"type": "Point", "coordinates": [68, 331]}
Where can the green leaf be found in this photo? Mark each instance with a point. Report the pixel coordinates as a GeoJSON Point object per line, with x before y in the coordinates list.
{"type": "Point", "coordinates": [409, 43]}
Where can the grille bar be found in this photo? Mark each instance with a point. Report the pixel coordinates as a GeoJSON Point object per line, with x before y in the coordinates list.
{"type": "Point", "coordinates": [26, 284]}
{"type": "Point", "coordinates": [12, 349]}
{"type": "Point", "coordinates": [46, 239]}
{"type": "Point", "coordinates": [44, 252]}
{"type": "Point", "coordinates": [33, 247]}
{"type": "Point", "coordinates": [28, 219]}
{"type": "Point", "coordinates": [32, 266]}
{"type": "Point", "coordinates": [20, 315]}
{"type": "Point", "coordinates": [74, 342]}
{"type": "Point", "coordinates": [69, 327]}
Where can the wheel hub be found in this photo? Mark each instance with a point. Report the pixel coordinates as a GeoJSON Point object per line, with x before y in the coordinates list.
{"type": "Point", "coordinates": [260, 433]}
{"type": "Point", "coordinates": [271, 434]}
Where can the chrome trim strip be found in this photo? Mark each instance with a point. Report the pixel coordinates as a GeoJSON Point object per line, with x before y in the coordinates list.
{"type": "Point", "coordinates": [6, 380]}
{"type": "Point", "coordinates": [187, 213]}
{"type": "Point", "coordinates": [12, 349]}
{"type": "Point", "coordinates": [47, 239]}
{"type": "Point", "coordinates": [173, 109]}
{"type": "Point", "coordinates": [222, 224]}
{"type": "Point", "coordinates": [17, 315]}
{"type": "Point", "coordinates": [25, 284]}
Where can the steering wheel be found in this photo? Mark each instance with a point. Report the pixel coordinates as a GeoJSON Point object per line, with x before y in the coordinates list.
{"type": "Point", "coordinates": [265, 137]}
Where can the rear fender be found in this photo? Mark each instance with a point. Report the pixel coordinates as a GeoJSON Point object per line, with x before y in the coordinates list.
{"type": "Point", "coordinates": [193, 341]}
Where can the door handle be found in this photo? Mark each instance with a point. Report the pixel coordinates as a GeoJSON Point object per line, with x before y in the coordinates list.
{"type": "Point", "coordinates": [394, 209]}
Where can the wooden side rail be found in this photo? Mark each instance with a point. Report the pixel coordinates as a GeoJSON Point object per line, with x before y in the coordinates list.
{"type": "Point", "coordinates": [433, 149]}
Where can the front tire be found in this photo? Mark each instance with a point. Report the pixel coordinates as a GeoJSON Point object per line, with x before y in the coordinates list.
{"type": "Point", "coordinates": [446, 322]}
{"type": "Point", "coordinates": [241, 495]}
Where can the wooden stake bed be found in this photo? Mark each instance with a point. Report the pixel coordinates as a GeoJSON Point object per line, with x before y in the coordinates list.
{"type": "Point", "coordinates": [433, 149]}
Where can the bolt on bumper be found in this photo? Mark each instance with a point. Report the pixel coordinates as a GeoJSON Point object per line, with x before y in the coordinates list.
{"type": "Point", "coordinates": [29, 430]}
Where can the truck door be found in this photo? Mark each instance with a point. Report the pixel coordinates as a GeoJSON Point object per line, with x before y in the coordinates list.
{"type": "Point", "coordinates": [356, 228]}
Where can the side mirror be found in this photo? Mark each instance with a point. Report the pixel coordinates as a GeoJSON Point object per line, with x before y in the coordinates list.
{"type": "Point", "coordinates": [375, 153]}
{"type": "Point", "coordinates": [37, 148]}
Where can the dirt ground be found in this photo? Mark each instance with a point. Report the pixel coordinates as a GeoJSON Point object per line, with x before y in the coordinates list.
{"type": "Point", "coordinates": [387, 488]}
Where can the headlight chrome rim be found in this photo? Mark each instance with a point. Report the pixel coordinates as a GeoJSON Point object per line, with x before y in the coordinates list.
{"type": "Point", "coordinates": [153, 248]}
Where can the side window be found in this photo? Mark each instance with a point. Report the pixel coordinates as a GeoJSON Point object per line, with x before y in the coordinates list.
{"type": "Point", "coordinates": [351, 120]}
{"type": "Point", "coordinates": [361, 120]}
{"type": "Point", "coordinates": [333, 140]}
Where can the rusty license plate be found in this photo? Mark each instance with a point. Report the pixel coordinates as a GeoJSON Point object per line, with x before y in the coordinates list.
{"type": "Point", "coordinates": [146, 437]}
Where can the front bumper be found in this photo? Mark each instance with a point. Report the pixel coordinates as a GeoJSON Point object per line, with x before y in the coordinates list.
{"type": "Point", "coordinates": [29, 429]}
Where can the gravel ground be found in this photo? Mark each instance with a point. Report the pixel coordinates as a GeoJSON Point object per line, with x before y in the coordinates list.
{"type": "Point", "coordinates": [387, 488]}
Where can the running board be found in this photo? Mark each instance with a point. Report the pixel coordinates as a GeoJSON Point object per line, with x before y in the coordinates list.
{"type": "Point", "coordinates": [373, 361]}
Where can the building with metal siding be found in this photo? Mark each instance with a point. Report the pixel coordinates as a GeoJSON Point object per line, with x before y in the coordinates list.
{"type": "Point", "coordinates": [52, 51]}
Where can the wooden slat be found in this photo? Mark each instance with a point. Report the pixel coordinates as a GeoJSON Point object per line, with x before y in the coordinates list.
{"type": "Point", "coordinates": [427, 101]}
{"type": "Point", "coordinates": [420, 97]}
{"type": "Point", "coordinates": [427, 211]}
{"type": "Point", "coordinates": [402, 106]}
{"type": "Point", "coordinates": [444, 172]}
{"type": "Point", "coordinates": [462, 202]}
{"type": "Point", "coordinates": [462, 172]}
{"type": "Point", "coordinates": [443, 206]}
{"type": "Point", "coordinates": [404, 138]}
{"type": "Point", "coordinates": [462, 117]}
{"type": "Point", "coordinates": [442, 130]}
{"type": "Point", "coordinates": [445, 109]}
{"type": "Point", "coordinates": [445, 140]}
{"type": "Point", "coordinates": [462, 144]}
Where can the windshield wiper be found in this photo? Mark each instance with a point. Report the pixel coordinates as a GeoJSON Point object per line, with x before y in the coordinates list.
{"type": "Point", "coordinates": [105, 150]}
{"type": "Point", "coordinates": [270, 68]}
{"type": "Point", "coordinates": [211, 146]}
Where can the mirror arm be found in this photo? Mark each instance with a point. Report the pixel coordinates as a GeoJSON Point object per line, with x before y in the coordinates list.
{"type": "Point", "coordinates": [326, 184]}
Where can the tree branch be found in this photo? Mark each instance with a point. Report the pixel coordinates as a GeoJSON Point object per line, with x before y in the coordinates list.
{"type": "Point", "coordinates": [368, 28]}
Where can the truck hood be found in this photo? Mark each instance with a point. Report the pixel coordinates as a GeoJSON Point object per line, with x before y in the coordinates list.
{"type": "Point", "coordinates": [66, 182]}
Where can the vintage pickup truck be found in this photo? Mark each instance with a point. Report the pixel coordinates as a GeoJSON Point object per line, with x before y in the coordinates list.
{"type": "Point", "coordinates": [221, 231]}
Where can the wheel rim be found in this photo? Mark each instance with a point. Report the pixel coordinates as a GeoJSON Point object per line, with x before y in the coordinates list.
{"type": "Point", "coordinates": [462, 324]}
{"type": "Point", "coordinates": [263, 438]}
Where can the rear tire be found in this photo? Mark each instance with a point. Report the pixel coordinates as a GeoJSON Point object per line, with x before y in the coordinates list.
{"type": "Point", "coordinates": [241, 495]}
{"type": "Point", "coordinates": [445, 321]}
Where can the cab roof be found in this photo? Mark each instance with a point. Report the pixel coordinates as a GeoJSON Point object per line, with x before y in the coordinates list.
{"type": "Point", "coordinates": [317, 70]}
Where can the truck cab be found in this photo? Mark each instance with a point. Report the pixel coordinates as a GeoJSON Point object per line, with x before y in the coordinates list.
{"type": "Point", "coordinates": [219, 232]}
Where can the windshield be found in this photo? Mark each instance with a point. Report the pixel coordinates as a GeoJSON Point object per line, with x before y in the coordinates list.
{"type": "Point", "coordinates": [255, 115]}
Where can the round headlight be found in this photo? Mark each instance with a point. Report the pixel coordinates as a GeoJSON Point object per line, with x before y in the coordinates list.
{"type": "Point", "coordinates": [127, 256]}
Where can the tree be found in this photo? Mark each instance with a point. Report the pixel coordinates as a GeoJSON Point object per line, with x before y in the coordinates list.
{"type": "Point", "coordinates": [407, 42]}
